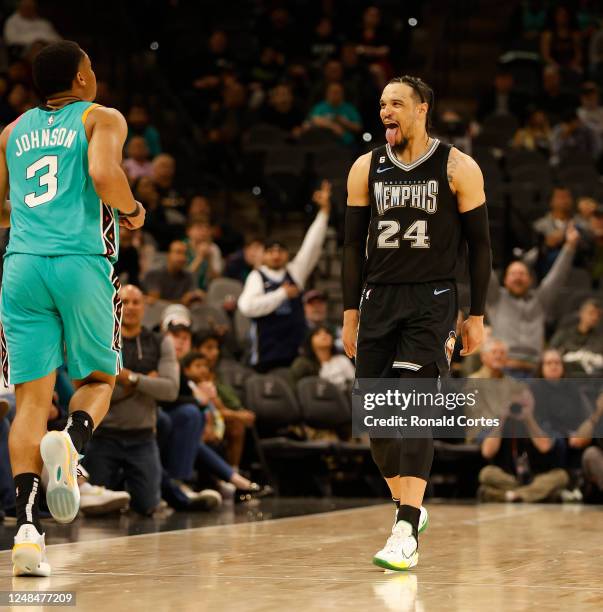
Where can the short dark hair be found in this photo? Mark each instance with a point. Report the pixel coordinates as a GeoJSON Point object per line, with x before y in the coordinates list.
{"type": "Point", "coordinates": [201, 337]}
{"type": "Point", "coordinates": [423, 93]}
{"type": "Point", "coordinates": [55, 67]}
{"type": "Point", "coordinates": [190, 358]}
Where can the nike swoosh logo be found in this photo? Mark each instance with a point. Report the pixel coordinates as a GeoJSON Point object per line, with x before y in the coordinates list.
{"type": "Point", "coordinates": [436, 292]}
{"type": "Point", "coordinates": [380, 170]}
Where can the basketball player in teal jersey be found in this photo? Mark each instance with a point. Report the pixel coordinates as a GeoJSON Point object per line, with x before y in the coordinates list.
{"type": "Point", "coordinates": [61, 164]}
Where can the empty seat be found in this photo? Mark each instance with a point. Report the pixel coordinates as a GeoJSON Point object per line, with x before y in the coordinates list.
{"type": "Point", "coordinates": [235, 374]}
{"type": "Point", "coordinates": [208, 318]}
{"type": "Point", "coordinates": [221, 288]}
{"type": "Point", "coordinates": [323, 405]}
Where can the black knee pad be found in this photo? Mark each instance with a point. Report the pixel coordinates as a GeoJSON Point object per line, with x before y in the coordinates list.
{"type": "Point", "coordinates": [416, 454]}
{"type": "Point", "coordinates": [386, 454]}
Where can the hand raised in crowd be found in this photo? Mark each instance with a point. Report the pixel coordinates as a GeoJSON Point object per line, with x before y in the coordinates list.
{"type": "Point", "coordinates": [291, 290]}
{"type": "Point", "coordinates": [322, 196]}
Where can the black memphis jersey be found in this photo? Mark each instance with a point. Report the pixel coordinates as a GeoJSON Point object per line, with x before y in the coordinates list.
{"type": "Point", "coordinates": [415, 230]}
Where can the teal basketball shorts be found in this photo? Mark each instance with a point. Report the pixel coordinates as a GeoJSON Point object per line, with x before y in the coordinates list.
{"type": "Point", "coordinates": [57, 307]}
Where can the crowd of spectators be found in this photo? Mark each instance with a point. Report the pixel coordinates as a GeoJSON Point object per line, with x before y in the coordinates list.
{"type": "Point", "coordinates": [201, 290]}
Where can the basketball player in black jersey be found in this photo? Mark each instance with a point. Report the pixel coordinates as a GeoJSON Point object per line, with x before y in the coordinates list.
{"type": "Point", "coordinates": [410, 203]}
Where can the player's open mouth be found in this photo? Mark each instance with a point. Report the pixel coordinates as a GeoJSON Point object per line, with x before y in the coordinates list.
{"type": "Point", "coordinates": [391, 133]}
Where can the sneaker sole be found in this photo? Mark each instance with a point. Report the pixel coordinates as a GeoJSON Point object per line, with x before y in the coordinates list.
{"type": "Point", "coordinates": [62, 492]}
{"type": "Point", "coordinates": [26, 560]}
{"type": "Point", "coordinates": [397, 567]}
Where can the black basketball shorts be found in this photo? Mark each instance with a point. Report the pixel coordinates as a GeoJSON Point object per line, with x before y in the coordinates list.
{"type": "Point", "coordinates": [404, 327]}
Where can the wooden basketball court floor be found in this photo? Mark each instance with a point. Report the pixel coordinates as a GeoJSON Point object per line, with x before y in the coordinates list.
{"type": "Point", "coordinates": [473, 557]}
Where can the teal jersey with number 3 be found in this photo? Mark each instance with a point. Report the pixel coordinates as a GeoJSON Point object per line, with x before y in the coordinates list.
{"type": "Point", "coordinates": [55, 209]}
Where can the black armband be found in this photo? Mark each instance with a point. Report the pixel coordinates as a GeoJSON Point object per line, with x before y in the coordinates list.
{"type": "Point", "coordinates": [477, 233]}
{"type": "Point", "coordinates": [133, 213]}
{"type": "Point", "coordinates": [357, 219]}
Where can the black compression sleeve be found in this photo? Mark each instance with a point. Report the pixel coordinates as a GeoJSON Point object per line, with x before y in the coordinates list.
{"type": "Point", "coordinates": [477, 233]}
{"type": "Point", "coordinates": [357, 219]}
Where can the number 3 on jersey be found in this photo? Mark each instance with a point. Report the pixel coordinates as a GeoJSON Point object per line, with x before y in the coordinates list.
{"type": "Point", "coordinates": [416, 233]}
{"type": "Point", "coordinates": [46, 179]}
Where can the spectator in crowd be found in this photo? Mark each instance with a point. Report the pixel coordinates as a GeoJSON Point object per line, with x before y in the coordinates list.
{"type": "Point", "coordinates": [214, 62]}
{"type": "Point", "coordinates": [560, 405]}
{"type": "Point", "coordinates": [137, 162]}
{"type": "Point", "coordinates": [536, 134]}
{"type": "Point", "coordinates": [551, 228]}
{"type": "Point", "coordinates": [236, 417]}
{"type": "Point", "coordinates": [127, 266]}
{"type": "Point", "coordinates": [139, 124]}
{"type": "Point", "coordinates": [173, 283]}
{"type": "Point", "coordinates": [156, 224]}
{"type": "Point", "coordinates": [522, 467]}
{"type": "Point", "coordinates": [517, 313]}
{"type": "Point", "coordinates": [164, 171]}
{"type": "Point", "coordinates": [373, 38]}
{"type": "Point", "coordinates": [282, 111]}
{"type": "Point", "coordinates": [18, 100]}
{"type": "Point", "coordinates": [233, 422]}
{"type": "Point", "coordinates": [183, 429]}
{"type": "Point", "coordinates": [501, 99]}
{"type": "Point", "coordinates": [204, 255]}
{"type": "Point", "coordinates": [560, 43]}
{"type": "Point", "coordinates": [323, 43]}
{"type": "Point", "coordinates": [125, 441]}
{"type": "Point", "coordinates": [25, 26]}
{"type": "Point", "coordinates": [319, 359]}
{"type": "Point", "coordinates": [572, 135]}
{"type": "Point", "coordinates": [316, 312]}
{"type": "Point", "coordinates": [271, 296]}
{"type": "Point", "coordinates": [332, 72]}
{"type": "Point", "coordinates": [196, 368]}
{"type": "Point", "coordinates": [595, 56]}
{"type": "Point", "coordinates": [268, 71]}
{"type": "Point", "coordinates": [590, 111]}
{"type": "Point", "coordinates": [581, 345]}
{"type": "Point", "coordinates": [242, 262]}
{"type": "Point", "coordinates": [281, 33]}
{"type": "Point", "coordinates": [337, 115]}
{"type": "Point", "coordinates": [493, 398]}
{"type": "Point", "coordinates": [199, 208]}
{"type": "Point", "coordinates": [530, 18]}
{"type": "Point", "coordinates": [553, 100]}
{"type": "Point", "coordinates": [594, 252]}
{"type": "Point", "coordinates": [585, 210]}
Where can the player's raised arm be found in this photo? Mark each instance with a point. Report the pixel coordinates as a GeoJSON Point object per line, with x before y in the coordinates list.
{"type": "Point", "coordinates": [467, 181]}
{"type": "Point", "coordinates": [357, 219]}
{"type": "Point", "coordinates": [107, 131]}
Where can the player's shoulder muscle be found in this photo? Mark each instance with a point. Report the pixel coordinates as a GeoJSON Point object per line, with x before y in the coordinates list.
{"type": "Point", "coordinates": [358, 181]}
{"type": "Point", "coordinates": [466, 179]}
{"type": "Point", "coordinates": [106, 118]}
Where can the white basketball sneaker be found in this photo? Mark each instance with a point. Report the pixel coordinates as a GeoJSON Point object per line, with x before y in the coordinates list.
{"type": "Point", "coordinates": [423, 519]}
{"type": "Point", "coordinates": [401, 549]}
{"type": "Point", "coordinates": [29, 553]}
{"type": "Point", "coordinates": [61, 459]}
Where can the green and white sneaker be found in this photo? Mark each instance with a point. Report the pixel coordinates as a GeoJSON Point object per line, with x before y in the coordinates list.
{"type": "Point", "coordinates": [400, 551]}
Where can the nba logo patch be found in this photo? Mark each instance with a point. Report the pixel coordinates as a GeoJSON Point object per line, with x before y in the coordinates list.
{"type": "Point", "coordinates": [449, 346]}
{"type": "Point", "coordinates": [50, 120]}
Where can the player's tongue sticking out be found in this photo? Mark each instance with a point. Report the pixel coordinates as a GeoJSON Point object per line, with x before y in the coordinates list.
{"type": "Point", "coordinates": [391, 133]}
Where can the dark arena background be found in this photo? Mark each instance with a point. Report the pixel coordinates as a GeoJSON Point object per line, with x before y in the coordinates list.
{"type": "Point", "coordinates": [247, 490]}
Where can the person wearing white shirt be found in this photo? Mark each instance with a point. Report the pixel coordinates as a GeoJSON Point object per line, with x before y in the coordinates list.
{"type": "Point", "coordinates": [271, 295]}
{"type": "Point", "coordinates": [25, 26]}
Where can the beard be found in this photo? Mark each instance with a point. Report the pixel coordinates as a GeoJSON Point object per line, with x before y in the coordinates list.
{"type": "Point", "coordinates": [400, 148]}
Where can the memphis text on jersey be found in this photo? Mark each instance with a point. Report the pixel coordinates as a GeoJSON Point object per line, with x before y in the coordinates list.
{"type": "Point", "coordinates": [61, 137]}
{"type": "Point", "coordinates": [422, 195]}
